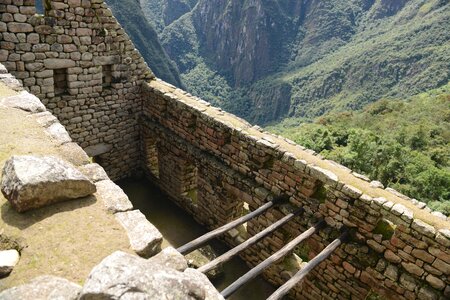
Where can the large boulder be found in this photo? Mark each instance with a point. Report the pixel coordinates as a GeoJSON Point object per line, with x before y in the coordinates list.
{"type": "Point", "coordinates": [43, 287]}
{"type": "Point", "coordinates": [145, 238]}
{"type": "Point", "coordinates": [31, 182]}
{"type": "Point", "coordinates": [125, 276]}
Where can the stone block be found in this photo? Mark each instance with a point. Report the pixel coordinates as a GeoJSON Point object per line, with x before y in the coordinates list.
{"type": "Point", "coordinates": [106, 60]}
{"type": "Point", "coordinates": [43, 287]}
{"type": "Point", "coordinates": [145, 238]}
{"type": "Point", "coordinates": [125, 276]}
{"type": "Point", "coordinates": [171, 258]}
{"type": "Point", "coordinates": [98, 149]}
{"type": "Point", "coordinates": [30, 182]}
{"type": "Point", "coordinates": [59, 133]}
{"type": "Point", "coordinates": [113, 196]}
{"type": "Point", "coordinates": [94, 172]}
{"type": "Point", "coordinates": [24, 101]}
{"type": "Point", "coordinates": [56, 63]}
{"type": "Point", "coordinates": [19, 27]}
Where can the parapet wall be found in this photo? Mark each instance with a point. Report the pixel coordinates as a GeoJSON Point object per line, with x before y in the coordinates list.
{"type": "Point", "coordinates": [81, 64]}
{"type": "Point", "coordinates": [79, 61]}
{"type": "Point", "coordinates": [216, 165]}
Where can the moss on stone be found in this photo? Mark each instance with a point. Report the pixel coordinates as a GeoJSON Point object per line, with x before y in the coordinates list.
{"type": "Point", "coordinates": [302, 251]}
{"type": "Point", "coordinates": [385, 228]}
{"type": "Point", "coordinates": [373, 296]}
{"type": "Point", "coordinates": [320, 193]}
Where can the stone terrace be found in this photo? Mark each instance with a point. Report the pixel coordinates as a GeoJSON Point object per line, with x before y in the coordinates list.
{"type": "Point", "coordinates": [78, 60]}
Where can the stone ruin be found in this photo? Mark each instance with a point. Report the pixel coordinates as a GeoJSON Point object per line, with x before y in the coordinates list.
{"type": "Point", "coordinates": [81, 64]}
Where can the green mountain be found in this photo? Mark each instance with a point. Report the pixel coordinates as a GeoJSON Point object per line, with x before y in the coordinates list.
{"type": "Point", "coordinates": [405, 144]}
{"type": "Point", "coordinates": [289, 62]}
{"type": "Point", "coordinates": [267, 60]}
{"type": "Point", "coordinates": [145, 38]}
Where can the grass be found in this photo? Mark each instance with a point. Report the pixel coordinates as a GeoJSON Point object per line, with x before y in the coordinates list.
{"type": "Point", "coordinates": [66, 239]}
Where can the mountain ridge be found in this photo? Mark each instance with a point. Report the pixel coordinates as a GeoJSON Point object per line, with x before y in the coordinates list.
{"type": "Point", "coordinates": [289, 46]}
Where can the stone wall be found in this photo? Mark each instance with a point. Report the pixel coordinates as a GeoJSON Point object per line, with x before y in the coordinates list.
{"type": "Point", "coordinates": [79, 61]}
{"type": "Point", "coordinates": [397, 249]}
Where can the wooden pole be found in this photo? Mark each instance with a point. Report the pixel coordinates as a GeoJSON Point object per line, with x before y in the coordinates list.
{"type": "Point", "coordinates": [272, 259]}
{"type": "Point", "coordinates": [300, 275]}
{"type": "Point", "coordinates": [200, 241]}
{"type": "Point", "coordinates": [231, 253]}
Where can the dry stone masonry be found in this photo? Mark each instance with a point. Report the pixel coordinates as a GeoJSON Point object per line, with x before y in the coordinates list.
{"type": "Point", "coordinates": [83, 67]}
{"type": "Point", "coordinates": [391, 253]}
{"type": "Point", "coordinates": [79, 61]}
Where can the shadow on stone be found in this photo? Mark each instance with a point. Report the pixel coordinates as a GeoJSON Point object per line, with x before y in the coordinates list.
{"type": "Point", "coordinates": [24, 220]}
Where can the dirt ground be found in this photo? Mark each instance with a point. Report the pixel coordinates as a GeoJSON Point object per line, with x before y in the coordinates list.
{"type": "Point", "coordinates": [66, 239]}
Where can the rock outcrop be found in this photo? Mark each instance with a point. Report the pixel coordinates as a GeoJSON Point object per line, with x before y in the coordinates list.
{"type": "Point", "coordinates": [123, 275]}
{"type": "Point", "coordinates": [31, 182]}
{"type": "Point", "coordinates": [43, 287]}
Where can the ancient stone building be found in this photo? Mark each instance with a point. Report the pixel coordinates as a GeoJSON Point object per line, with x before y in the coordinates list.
{"type": "Point", "coordinates": [82, 65]}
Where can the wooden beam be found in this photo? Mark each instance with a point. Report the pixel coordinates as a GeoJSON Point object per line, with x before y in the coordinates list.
{"type": "Point", "coordinates": [300, 275]}
{"type": "Point", "coordinates": [254, 239]}
{"type": "Point", "coordinates": [200, 241]}
{"type": "Point", "coordinates": [272, 259]}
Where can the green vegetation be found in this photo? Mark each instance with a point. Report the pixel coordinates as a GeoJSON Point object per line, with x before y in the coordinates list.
{"type": "Point", "coordinates": [385, 228]}
{"type": "Point", "coordinates": [304, 58]}
{"type": "Point", "coordinates": [145, 38]}
{"type": "Point", "coordinates": [316, 63]}
{"type": "Point", "coordinates": [403, 144]}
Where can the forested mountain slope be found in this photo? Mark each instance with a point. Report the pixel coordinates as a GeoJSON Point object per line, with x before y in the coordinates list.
{"type": "Point", "coordinates": [325, 62]}
{"type": "Point", "coordinates": [404, 143]}
{"type": "Point", "coordinates": [145, 38]}
{"type": "Point", "coordinates": [265, 60]}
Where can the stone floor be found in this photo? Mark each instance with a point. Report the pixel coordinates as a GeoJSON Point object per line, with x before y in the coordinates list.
{"type": "Point", "coordinates": [66, 239]}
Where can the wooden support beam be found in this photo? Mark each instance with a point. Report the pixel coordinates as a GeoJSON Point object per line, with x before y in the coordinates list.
{"type": "Point", "coordinates": [200, 241]}
{"type": "Point", "coordinates": [272, 259]}
{"type": "Point", "coordinates": [300, 275]}
{"type": "Point", "coordinates": [254, 239]}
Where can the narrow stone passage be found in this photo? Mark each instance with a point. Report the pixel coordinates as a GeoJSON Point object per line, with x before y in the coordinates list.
{"type": "Point", "coordinates": [178, 228]}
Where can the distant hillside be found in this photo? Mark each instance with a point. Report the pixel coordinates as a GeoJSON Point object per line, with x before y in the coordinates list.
{"type": "Point", "coordinates": [145, 38]}
{"type": "Point", "coordinates": [267, 60]}
{"type": "Point", "coordinates": [403, 143]}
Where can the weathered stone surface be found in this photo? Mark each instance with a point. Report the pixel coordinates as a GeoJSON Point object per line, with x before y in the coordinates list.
{"type": "Point", "coordinates": [59, 133]}
{"type": "Point", "coordinates": [74, 154]}
{"type": "Point", "coordinates": [24, 101]}
{"type": "Point", "coordinates": [413, 268]}
{"type": "Point", "coordinates": [106, 60]}
{"type": "Point", "coordinates": [45, 118]}
{"type": "Point", "coordinates": [56, 63]}
{"type": "Point", "coordinates": [145, 238]}
{"type": "Point", "coordinates": [31, 182]}
{"type": "Point", "coordinates": [94, 172]}
{"type": "Point", "coordinates": [19, 27]}
{"type": "Point", "coordinates": [126, 276]}
{"type": "Point", "coordinates": [8, 260]}
{"type": "Point", "coordinates": [171, 258]}
{"type": "Point", "coordinates": [113, 196]}
{"type": "Point", "coordinates": [43, 287]}
{"type": "Point", "coordinates": [98, 149]}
